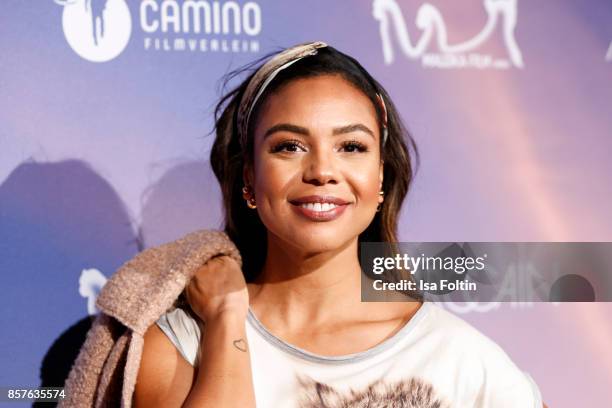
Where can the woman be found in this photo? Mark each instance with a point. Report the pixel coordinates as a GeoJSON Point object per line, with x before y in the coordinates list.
{"type": "Point", "coordinates": [313, 159]}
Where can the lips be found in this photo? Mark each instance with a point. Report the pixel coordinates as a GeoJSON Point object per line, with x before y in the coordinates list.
{"type": "Point", "coordinates": [319, 208]}
{"type": "Point", "coordinates": [319, 199]}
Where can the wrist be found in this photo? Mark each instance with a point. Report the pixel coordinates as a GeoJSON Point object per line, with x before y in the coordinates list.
{"type": "Point", "coordinates": [227, 316]}
{"type": "Point", "coordinates": [223, 327]}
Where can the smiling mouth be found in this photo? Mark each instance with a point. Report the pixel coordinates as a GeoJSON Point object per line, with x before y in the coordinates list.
{"type": "Point", "coordinates": [319, 212]}
{"type": "Point", "coordinates": [318, 207]}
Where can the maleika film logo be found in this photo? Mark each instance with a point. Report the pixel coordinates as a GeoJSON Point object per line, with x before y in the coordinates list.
{"type": "Point", "coordinates": [433, 49]}
{"type": "Point", "coordinates": [99, 30]}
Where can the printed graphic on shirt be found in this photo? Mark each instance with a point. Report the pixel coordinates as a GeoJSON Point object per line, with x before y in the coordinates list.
{"type": "Point", "coordinates": [408, 393]}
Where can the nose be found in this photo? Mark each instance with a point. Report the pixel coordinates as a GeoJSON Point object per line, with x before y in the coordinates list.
{"type": "Point", "coordinates": [320, 167]}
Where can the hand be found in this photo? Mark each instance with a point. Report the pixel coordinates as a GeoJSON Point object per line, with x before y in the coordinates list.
{"type": "Point", "coordinates": [218, 287]}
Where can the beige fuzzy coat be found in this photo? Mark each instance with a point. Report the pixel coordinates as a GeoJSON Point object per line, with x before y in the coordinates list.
{"type": "Point", "coordinates": [104, 373]}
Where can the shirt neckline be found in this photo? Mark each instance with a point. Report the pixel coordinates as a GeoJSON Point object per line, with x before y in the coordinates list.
{"type": "Point", "coordinates": [346, 358]}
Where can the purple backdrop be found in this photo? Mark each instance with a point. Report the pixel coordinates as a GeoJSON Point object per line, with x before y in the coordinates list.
{"type": "Point", "coordinates": [105, 109]}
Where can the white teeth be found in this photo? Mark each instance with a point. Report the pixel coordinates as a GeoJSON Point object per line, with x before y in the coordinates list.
{"type": "Point", "coordinates": [318, 206]}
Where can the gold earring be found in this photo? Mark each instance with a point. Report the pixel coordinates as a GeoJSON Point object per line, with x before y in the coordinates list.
{"type": "Point", "coordinates": [380, 196]}
{"type": "Point", "coordinates": [250, 200]}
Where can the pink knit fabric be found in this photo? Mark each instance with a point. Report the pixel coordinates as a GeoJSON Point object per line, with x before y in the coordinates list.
{"type": "Point", "coordinates": [104, 373]}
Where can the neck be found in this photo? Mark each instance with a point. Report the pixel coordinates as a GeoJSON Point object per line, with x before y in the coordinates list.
{"type": "Point", "coordinates": [297, 288]}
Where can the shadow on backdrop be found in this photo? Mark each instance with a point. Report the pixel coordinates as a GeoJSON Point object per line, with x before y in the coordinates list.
{"type": "Point", "coordinates": [56, 220]}
{"type": "Point", "coordinates": [59, 219]}
{"type": "Point", "coordinates": [186, 198]}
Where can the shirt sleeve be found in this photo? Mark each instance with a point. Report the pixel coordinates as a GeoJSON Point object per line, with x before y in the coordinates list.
{"type": "Point", "coordinates": [536, 391]}
{"type": "Point", "coordinates": [504, 384]}
{"type": "Point", "coordinates": [183, 331]}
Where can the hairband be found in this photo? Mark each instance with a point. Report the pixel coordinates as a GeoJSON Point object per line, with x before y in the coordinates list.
{"type": "Point", "coordinates": [383, 107]}
{"type": "Point", "coordinates": [264, 76]}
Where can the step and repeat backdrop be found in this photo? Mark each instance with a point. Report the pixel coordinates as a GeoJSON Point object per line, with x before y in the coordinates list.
{"type": "Point", "coordinates": [105, 119]}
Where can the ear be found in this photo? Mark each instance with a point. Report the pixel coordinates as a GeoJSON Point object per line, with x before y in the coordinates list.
{"type": "Point", "coordinates": [247, 175]}
{"type": "Point", "coordinates": [381, 172]}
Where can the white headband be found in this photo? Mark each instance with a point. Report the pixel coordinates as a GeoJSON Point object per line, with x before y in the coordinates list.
{"type": "Point", "coordinates": [266, 74]}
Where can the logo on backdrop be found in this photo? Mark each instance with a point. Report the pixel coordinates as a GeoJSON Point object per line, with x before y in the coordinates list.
{"type": "Point", "coordinates": [97, 30]}
{"type": "Point", "coordinates": [200, 26]}
{"type": "Point", "coordinates": [433, 34]}
{"type": "Point", "coordinates": [609, 53]}
{"type": "Point", "coordinates": [91, 283]}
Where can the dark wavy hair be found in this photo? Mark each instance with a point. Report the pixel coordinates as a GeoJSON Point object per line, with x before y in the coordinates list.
{"type": "Point", "coordinates": [228, 159]}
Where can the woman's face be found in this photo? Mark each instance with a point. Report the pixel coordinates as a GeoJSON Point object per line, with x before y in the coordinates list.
{"type": "Point", "coordinates": [316, 137]}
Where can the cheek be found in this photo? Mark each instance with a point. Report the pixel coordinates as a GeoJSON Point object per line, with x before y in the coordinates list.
{"type": "Point", "coordinates": [367, 184]}
{"type": "Point", "coordinates": [273, 177]}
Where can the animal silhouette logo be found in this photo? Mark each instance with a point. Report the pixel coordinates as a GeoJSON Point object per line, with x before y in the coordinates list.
{"type": "Point", "coordinates": [430, 22]}
{"type": "Point", "coordinates": [97, 30]}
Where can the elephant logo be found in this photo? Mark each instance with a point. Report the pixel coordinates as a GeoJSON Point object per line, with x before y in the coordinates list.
{"type": "Point", "coordinates": [433, 29]}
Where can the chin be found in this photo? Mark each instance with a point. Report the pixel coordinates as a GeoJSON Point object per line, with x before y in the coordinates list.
{"type": "Point", "coordinates": [318, 246]}
{"type": "Point", "coordinates": [321, 241]}
{"type": "Point", "coordinates": [314, 237]}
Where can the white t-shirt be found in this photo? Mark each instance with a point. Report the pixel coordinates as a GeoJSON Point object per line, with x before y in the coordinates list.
{"type": "Point", "coordinates": [435, 360]}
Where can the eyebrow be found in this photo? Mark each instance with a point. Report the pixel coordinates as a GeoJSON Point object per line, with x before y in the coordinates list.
{"type": "Point", "coordinates": [288, 127]}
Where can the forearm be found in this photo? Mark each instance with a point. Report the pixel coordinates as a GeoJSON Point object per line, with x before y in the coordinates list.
{"type": "Point", "coordinates": [224, 376]}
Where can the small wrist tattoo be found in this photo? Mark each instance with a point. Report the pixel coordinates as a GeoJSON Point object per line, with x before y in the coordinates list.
{"type": "Point", "coordinates": [240, 344]}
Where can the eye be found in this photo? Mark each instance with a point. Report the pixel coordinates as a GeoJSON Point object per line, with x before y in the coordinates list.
{"type": "Point", "coordinates": [353, 146]}
{"type": "Point", "coordinates": [287, 146]}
